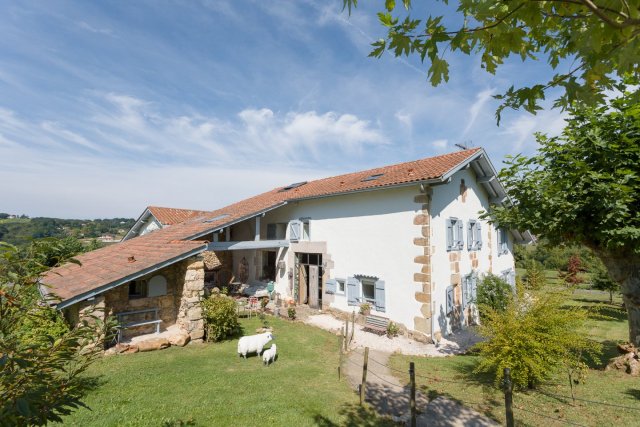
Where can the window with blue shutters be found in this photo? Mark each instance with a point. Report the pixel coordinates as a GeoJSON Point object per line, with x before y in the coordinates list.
{"type": "Point", "coordinates": [295, 230]}
{"type": "Point", "coordinates": [330, 286]}
{"type": "Point", "coordinates": [503, 241]}
{"type": "Point", "coordinates": [455, 240]}
{"type": "Point", "coordinates": [474, 235]}
{"type": "Point", "coordinates": [379, 294]}
{"type": "Point", "coordinates": [449, 300]}
{"type": "Point", "coordinates": [353, 290]}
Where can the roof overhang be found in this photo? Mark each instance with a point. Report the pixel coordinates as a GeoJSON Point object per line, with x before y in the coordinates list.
{"type": "Point", "coordinates": [249, 244]}
{"type": "Point", "coordinates": [235, 221]}
{"type": "Point", "coordinates": [104, 288]}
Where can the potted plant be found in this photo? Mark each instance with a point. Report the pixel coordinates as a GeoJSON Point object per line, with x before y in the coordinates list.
{"type": "Point", "coordinates": [365, 308]}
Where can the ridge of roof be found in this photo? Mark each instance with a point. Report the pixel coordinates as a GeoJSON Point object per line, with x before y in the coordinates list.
{"type": "Point", "coordinates": [102, 267]}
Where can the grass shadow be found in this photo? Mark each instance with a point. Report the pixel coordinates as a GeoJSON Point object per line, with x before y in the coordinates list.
{"type": "Point", "coordinates": [633, 392]}
{"type": "Point", "coordinates": [356, 416]}
{"type": "Point", "coordinates": [488, 403]}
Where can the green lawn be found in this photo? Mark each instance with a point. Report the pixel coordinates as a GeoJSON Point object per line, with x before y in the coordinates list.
{"type": "Point", "coordinates": [210, 385]}
{"type": "Point", "coordinates": [454, 380]}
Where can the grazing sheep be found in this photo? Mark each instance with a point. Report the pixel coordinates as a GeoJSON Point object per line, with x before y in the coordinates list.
{"type": "Point", "coordinates": [253, 343]}
{"type": "Point", "coordinates": [269, 355]}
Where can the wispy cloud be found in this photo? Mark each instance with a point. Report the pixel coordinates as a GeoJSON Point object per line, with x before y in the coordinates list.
{"type": "Point", "coordinates": [92, 29]}
{"type": "Point", "coordinates": [476, 107]}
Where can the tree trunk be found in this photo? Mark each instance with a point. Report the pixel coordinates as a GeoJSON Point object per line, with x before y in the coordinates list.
{"type": "Point", "coordinates": [626, 271]}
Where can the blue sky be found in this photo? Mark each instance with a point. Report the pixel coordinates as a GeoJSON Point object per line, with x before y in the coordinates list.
{"type": "Point", "coordinates": [107, 107]}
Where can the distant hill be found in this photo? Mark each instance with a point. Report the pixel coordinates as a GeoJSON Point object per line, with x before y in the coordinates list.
{"type": "Point", "coordinates": [22, 230]}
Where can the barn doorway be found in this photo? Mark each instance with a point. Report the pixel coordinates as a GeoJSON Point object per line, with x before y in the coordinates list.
{"type": "Point", "coordinates": [309, 277]}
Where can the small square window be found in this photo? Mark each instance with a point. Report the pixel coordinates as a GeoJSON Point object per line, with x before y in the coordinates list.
{"type": "Point", "coordinates": [137, 289]}
{"type": "Point", "coordinates": [340, 286]}
{"type": "Point", "coordinates": [368, 290]}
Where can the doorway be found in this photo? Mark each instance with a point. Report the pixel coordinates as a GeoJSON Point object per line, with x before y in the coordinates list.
{"type": "Point", "coordinates": [309, 277]}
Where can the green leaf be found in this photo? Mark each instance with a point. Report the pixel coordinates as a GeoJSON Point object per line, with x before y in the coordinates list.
{"type": "Point", "coordinates": [390, 5]}
{"type": "Point", "coordinates": [438, 71]}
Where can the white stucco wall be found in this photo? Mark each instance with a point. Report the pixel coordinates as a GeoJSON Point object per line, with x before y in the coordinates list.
{"type": "Point", "coordinates": [447, 202]}
{"type": "Point", "coordinates": [152, 225]}
{"type": "Point", "coordinates": [368, 233]}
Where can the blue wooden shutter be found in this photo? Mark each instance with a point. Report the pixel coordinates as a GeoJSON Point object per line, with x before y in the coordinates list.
{"type": "Point", "coordinates": [449, 234]}
{"type": "Point", "coordinates": [379, 294]}
{"type": "Point", "coordinates": [470, 236]}
{"type": "Point", "coordinates": [478, 236]}
{"type": "Point", "coordinates": [474, 287]}
{"type": "Point", "coordinates": [460, 242]}
{"type": "Point", "coordinates": [450, 300]}
{"type": "Point", "coordinates": [352, 291]}
{"type": "Point", "coordinates": [330, 286]}
{"type": "Point", "coordinates": [294, 229]}
{"type": "Point", "coordinates": [465, 290]}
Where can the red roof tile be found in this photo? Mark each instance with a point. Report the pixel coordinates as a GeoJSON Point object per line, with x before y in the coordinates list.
{"type": "Point", "coordinates": [170, 216]}
{"type": "Point", "coordinates": [110, 264]}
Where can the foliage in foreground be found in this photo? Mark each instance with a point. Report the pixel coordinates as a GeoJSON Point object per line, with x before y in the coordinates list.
{"type": "Point", "coordinates": [220, 316]}
{"type": "Point", "coordinates": [582, 187]}
{"type": "Point", "coordinates": [535, 336]}
{"type": "Point", "coordinates": [599, 38]}
{"type": "Point", "coordinates": [41, 360]}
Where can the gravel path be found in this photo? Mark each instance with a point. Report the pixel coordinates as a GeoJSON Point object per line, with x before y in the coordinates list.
{"type": "Point", "coordinates": [385, 393]}
{"type": "Point", "coordinates": [455, 344]}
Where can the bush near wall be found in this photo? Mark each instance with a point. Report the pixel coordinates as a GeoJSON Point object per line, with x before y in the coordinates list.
{"type": "Point", "coordinates": [220, 316]}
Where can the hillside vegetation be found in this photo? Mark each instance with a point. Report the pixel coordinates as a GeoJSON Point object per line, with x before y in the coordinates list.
{"type": "Point", "coordinates": [21, 231]}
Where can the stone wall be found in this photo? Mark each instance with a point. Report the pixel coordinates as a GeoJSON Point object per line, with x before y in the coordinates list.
{"type": "Point", "coordinates": [180, 305]}
{"type": "Point", "coordinates": [422, 324]}
{"type": "Point", "coordinates": [190, 311]}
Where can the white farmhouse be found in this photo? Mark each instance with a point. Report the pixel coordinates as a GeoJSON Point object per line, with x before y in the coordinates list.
{"type": "Point", "coordinates": [405, 239]}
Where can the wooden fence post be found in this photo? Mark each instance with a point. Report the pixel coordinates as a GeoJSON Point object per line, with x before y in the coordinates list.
{"type": "Point", "coordinates": [508, 397]}
{"type": "Point", "coordinates": [346, 342]}
{"type": "Point", "coordinates": [353, 325]}
{"type": "Point", "coordinates": [363, 386]}
{"type": "Point", "coordinates": [412, 379]}
{"type": "Point", "coordinates": [341, 352]}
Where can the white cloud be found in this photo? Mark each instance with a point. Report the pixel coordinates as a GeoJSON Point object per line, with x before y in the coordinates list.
{"type": "Point", "coordinates": [92, 29]}
{"type": "Point", "coordinates": [440, 145]}
{"type": "Point", "coordinates": [475, 109]}
{"type": "Point", "coordinates": [520, 130]}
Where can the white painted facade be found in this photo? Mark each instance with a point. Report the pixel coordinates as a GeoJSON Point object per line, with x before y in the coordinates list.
{"type": "Point", "coordinates": [372, 233]}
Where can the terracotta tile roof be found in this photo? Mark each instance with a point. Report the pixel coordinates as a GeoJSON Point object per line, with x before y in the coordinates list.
{"type": "Point", "coordinates": [170, 216]}
{"type": "Point", "coordinates": [108, 265]}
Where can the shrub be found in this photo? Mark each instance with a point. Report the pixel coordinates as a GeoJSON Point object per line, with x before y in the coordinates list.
{"type": "Point", "coordinates": [365, 308]}
{"type": "Point", "coordinates": [220, 316]}
{"type": "Point", "coordinates": [291, 312]}
{"type": "Point", "coordinates": [600, 280]}
{"type": "Point", "coordinates": [574, 267]}
{"type": "Point", "coordinates": [263, 302]}
{"type": "Point", "coordinates": [534, 276]}
{"type": "Point", "coordinates": [535, 337]}
{"type": "Point", "coordinates": [493, 293]}
{"type": "Point", "coordinates": [41, 326]}
{"type": "Point", "coordinates": [392, 330]}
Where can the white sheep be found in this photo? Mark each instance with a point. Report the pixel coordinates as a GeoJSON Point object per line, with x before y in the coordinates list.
{"type": "Point", "coordinates": [269, 355]}
{"type": "Point", "coordinates": [253, 343]}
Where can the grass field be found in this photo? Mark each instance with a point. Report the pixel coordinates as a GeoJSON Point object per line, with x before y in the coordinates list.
{"type": "Point", "coordinates": [531, 408]}
{"type": "Point", "coordinates": [209, 385]}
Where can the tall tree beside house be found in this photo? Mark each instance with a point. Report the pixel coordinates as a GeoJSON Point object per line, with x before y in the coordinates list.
{"type": "Point", "coordinates": [601, 38]}
{"type": "Point", "coordinates": [41, 359]}
{"type": "Point", "coordinates": [584, 186]}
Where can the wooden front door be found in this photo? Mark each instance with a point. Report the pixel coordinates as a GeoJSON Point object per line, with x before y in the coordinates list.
{"type": "Point", "coordinates": [302, 284]}
{"type": "Point", "coordinates": [313, 286]}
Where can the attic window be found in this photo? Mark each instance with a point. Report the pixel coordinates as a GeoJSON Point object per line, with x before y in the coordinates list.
{"type": "Point", "coordinates": [219, 217]}
{"type": "Point", "coordinates": [294, 185]}
{"type": "Point", "coordinates": [373, 177]}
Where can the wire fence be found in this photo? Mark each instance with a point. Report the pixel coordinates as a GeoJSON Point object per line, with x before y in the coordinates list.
{"type": "Point", "coordinates": [508, 390]}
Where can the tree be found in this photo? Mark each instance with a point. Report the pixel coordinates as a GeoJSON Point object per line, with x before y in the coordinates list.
{"type": "Point", "coordinates": [574, 267]}
{"type": "Point", "coordinates": [584, 186]}
{"type": "Point", "coordinates": [41, 359]}
{"type": "Point", "coordinates": [601, 38]}
{"type": "Point", "coordinates": [600, 280]}
{"type": "Point", "coordinates": [534, 276]}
